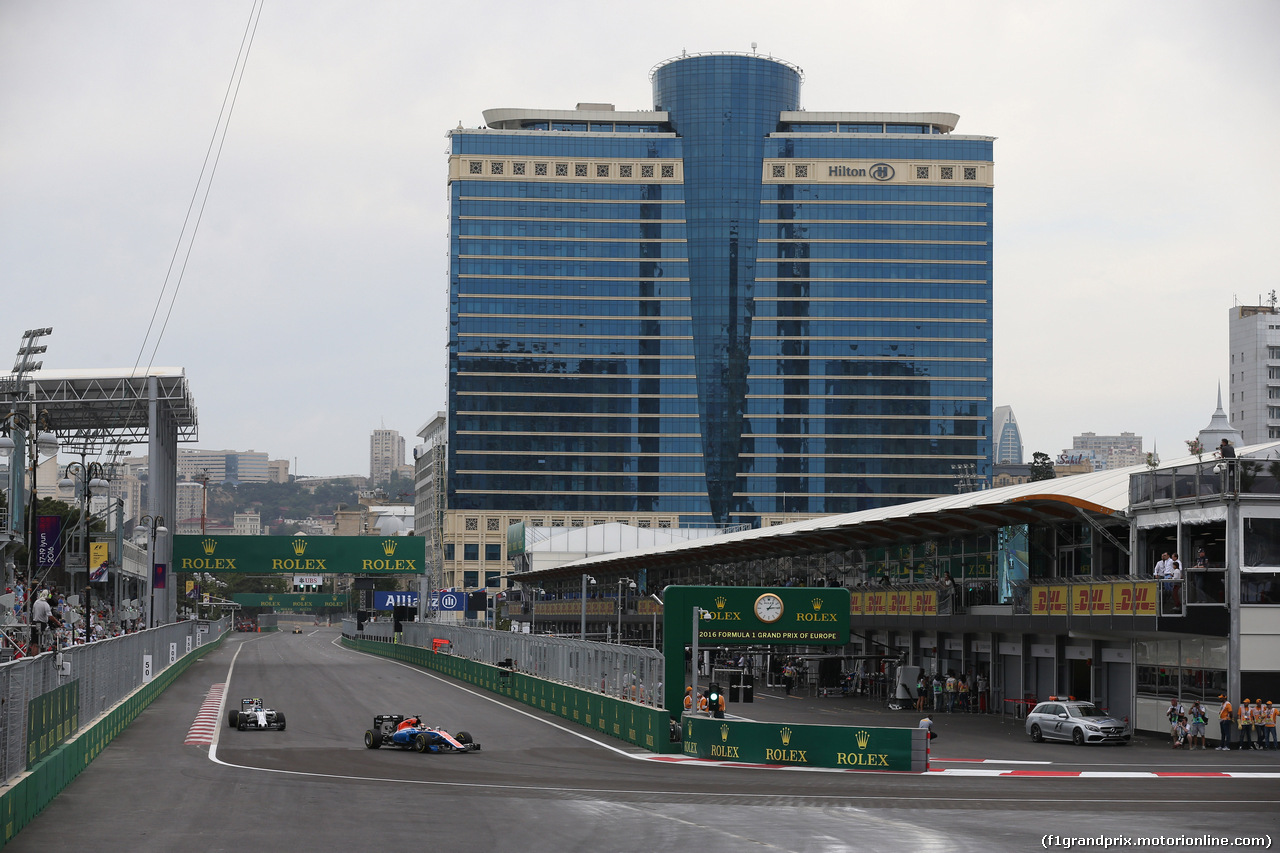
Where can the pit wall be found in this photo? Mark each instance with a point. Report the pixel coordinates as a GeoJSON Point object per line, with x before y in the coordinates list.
{"type": "Point", "coordinates": [28, 794]}
{"type": "Point", "coordinates": [787, 744]}
{"type": "Point", "coordinates": [641, 725]}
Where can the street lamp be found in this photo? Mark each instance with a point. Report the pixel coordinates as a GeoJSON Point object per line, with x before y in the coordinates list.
{"type": "Point", "coordinates": [623, 585]}
{"type": "Point", "coordinates": [90, 477]}
{"type": "Point", "coordinates": [582, 628]}
{"type": "Point", "coordinates": [154, 525]}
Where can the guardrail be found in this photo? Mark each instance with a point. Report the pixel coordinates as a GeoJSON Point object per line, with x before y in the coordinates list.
{"type": "Point", "coordinates": [625, 672]}
{"type": "Point", "coordinates": [76, 685]}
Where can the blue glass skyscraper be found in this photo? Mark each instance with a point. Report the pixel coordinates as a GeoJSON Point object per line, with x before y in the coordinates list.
{"type": "Point", "coordinates": [723, 309]}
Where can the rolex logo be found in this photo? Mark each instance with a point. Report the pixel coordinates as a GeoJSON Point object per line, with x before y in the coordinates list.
{"type": "Point", "coordinates": [786, 735]}
{"type": "Point", "coordinates": [388, 546]}
{"type": "Point", "coordinates": [688, 731]}
{"type": "Point", "coordinates": [721, 601]}
{"type": "Point", "coordinates": [299, 546]}
{"type": "Point", "coordinates": [817, 604]}
{"type": "Point", "coordinates": [209, 545]}
{"type": "Point", "coordinates": [863, 737]}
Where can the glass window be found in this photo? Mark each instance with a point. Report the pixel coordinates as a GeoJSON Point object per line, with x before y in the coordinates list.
{"type": "Point", "coordinates": [492, 553]}
{"type": "Point", "coordinates": [448, 552]}
{"type": "Point", "coordinates": [470, 579]}
{"type": "Point", "coordinates": [471, 551]}
{"type": "Point", "coordinates": [493, 578]}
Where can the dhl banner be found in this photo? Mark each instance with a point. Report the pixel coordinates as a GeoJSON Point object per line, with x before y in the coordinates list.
{"type": "Point", "coordinates": [855, 603]}
{"type": "Point", "coordinates": [1137, 599]}
{"type": "Point", "coordinates": [1091, 599]}
{"type": "Point", "coordinates": [924, 603]}
{"type": "Point", "coordinates": [1049, 601]}
{"type": "Point", "coordinates": [877, 603]}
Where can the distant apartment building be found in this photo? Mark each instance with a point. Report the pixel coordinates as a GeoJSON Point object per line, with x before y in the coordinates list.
{"type": "Point", "coordinates": [190, 501]}
{"type": "Point", "coordinates": [386, 455]}
{"type": "Point", "coordinates": [1006, 438]}
{"type": "Point", "coordinates": [1103, 452]}
{"type": "Point", "coordinates": [430, 464]}
{"type": "Point", "coordinates": [223, 466]}
{"type": "Point", "coordinates": [1254, 404]}
{"type": "Point", "coordinates": [247, 524]}
{"type": "Point", "coordinates": [278, 471]}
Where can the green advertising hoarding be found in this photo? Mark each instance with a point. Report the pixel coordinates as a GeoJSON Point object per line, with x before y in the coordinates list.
{"type": "Point", "coordinates": [849, 747]}
{"type": "Point", "coordinates": [287, 555]}
{"type": "Point", "coordinates": [303, 602]}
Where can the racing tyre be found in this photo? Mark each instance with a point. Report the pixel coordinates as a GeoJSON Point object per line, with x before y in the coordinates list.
{"type": "Point", "coordinates": [1036, 734]}
{"type": "Point", "coordinates": [371, 739]}
{"type": "Point", "coordinates": [232, 718]}
{"type": "Point", "coordinates": [1077, 737]}
{"type": "Point", "coordinates": [240, 722]}
{"type": "Point", "coordinates": [420, 743]}
{"type": "Point", "coordinates": [463, 738]}
{"type": "Point", "coordinates": [280, 720]}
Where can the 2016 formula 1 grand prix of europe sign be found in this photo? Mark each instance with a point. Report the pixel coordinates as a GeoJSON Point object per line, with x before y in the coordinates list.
{"type": "Point", "coordinates": [288, 555]}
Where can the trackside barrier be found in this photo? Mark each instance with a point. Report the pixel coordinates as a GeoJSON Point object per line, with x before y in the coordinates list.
{"type": "Point", "coordinates": [27, 796]}
{"type": "Point", "coordinates": [790, 744]}
{"type": "Point", "coordinates": [626, 672]}
{"type": "Point", "coordinates": [645, 726]}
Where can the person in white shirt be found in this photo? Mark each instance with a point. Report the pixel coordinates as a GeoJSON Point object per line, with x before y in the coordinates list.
{"type": "Point", "coordinates": [1163, 566]}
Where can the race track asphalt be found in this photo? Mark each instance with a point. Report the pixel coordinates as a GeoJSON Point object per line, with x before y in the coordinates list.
{"type": "Point", "coordinates": [542, 784]}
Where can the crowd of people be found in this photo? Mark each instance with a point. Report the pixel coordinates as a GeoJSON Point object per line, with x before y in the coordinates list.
{"type": "Point", "coordinates": [966, 693]}
{"type": "Point", "coordinates": [56, 623]}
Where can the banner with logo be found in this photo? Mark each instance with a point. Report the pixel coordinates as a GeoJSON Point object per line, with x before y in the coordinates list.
{"type": "Point", "coordinates": [97, 561]}
{"type": "Point", "coordinates": [392, 600]}
{"type": "Point", "coordinates": [793, 745]}
{"type": "Point", "coordinates": [290, 555]}
{"type": "Point", "coordinates": [48, 541]}
{"type": "Point", "coordinates": [297, 601]}
{"type": "Point", "coordinates": [450, 600]}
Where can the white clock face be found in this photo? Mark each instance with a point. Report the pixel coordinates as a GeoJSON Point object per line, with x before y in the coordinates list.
{"type": "Point", "coordinates": [769, 607]}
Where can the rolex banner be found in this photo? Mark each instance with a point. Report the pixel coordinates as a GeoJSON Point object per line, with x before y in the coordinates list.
{"type": "Point", "coordinates": [792, 745]}
{"type": "Point", "coordinates": [289, 555]}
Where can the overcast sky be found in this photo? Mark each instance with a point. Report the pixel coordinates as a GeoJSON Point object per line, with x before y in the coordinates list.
{"type": "Point", "coordinates": [1137, 170]}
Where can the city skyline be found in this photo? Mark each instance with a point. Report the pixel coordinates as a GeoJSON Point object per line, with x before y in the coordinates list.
{"type": "Point", "coordinates": [1127, 218]}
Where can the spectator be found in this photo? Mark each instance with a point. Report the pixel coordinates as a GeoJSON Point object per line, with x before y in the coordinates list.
{"type": "Point", "coordinates": [1163, 566]}
{"type": "Point", "coordinates": [1224, 722]}
{"type": "Point", "coordinates": [1244, 719]}
{"type": "Point", "coordinates": [982, 693]}
{"type": "Point", "coordinates": [951, 690]}
{"type": "Point", "coordinates": [937, 691]}
{"type": "Point", "coordinates": [962, 689]}
{"type": "Point", "coordinates": [1174, 713]}
{"type": "Point", "coordinates": [1269, 714]}
{"type": "Point", "coordinates": [927, 725]}
{"type": "Point", "coordinates": [1180, 733]}
{"type": "Point", "coordinates": [1199, 718]}
{"type": "Point", "coordinates": [921, 682]}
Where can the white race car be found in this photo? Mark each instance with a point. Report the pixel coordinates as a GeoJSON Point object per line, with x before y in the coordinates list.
{"type": "Point", "coordinates": [254, 715]}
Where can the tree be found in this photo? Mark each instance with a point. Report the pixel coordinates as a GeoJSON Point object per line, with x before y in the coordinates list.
{"type": "Point", "coordinates": [1041, 467]}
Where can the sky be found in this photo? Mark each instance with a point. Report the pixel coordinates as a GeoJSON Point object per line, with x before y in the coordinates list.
{"type": "Point", "coordinates": [1135, 183]}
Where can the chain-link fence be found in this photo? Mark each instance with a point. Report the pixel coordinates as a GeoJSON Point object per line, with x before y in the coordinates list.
{"type": "Point", "coordinates": [107, 671]}
{"type": "Point", "coordinates": [624, 672]}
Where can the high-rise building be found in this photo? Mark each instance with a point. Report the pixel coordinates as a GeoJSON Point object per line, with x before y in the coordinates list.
{"type": "Point", "coordinates": [386, 455]}
{"type": "Point", "coordinates": [1006, 436]}
{"type": "Point", "coordinates": [724, 309]}
{"type": "Point", "coordinates": [1254, 338]}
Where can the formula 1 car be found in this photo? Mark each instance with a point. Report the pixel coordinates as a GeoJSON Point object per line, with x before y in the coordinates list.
{"type": "Point", "coordinates": [391, 730]}
{"type": "Point", "coordinates": [254, 715]}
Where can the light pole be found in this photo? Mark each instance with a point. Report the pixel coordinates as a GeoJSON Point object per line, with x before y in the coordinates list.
{"type": "Point", "coordinates": [90, 477]}
{"type": "Point", "coordinates": [582, 627]}
{"type": "Point", "coordinates": [537, 593]}
{"type": "Point", "coordinates": [655, 620]}
{"type": "Point", "coordinates": [698, 615]}
{"type": "Point", "coordinates": [154, 525]}
{"type": "Point", "coordinates": [623, 585]}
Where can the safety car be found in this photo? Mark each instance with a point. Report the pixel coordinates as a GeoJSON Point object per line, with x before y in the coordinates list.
{"type": "Point", "coordinates": [253, 714]}
{"type": "Point", "coordinates": [409, 732]}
